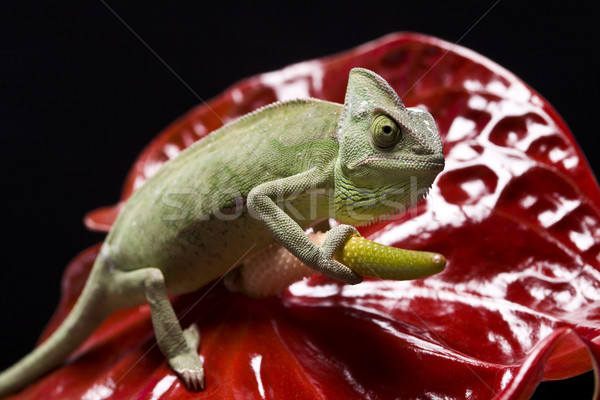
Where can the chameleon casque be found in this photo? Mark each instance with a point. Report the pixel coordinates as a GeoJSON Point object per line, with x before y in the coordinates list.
{"type": "Point", "coordinates": [265, 177]}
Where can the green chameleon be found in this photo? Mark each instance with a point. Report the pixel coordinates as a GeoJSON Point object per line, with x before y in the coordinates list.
{"type": "Point", "coordinates": [265, 177]}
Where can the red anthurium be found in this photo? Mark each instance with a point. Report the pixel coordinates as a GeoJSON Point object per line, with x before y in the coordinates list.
{"type": "Point", "coordinates": [516, 213]}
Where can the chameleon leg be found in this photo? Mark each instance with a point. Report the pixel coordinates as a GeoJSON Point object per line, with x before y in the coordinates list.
{"type": "Point", "coordinates": [290, 235]}
{"type": "Point", "coordinates": [179, 347]}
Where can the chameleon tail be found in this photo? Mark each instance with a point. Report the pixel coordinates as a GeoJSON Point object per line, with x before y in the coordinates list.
{"type": "Point", "coordinates": [83, 319]}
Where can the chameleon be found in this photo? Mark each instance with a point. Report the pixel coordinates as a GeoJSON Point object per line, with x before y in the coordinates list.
{"type": "Point", "coordinates": [263, 178]}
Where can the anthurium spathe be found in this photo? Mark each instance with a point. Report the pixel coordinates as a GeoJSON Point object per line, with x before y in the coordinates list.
{"type": "Point", "coordinates": [516, 213]}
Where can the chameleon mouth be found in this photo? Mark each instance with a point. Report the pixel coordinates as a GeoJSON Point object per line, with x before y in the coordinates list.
{"type": "Point", "coordinates": [411, 162]}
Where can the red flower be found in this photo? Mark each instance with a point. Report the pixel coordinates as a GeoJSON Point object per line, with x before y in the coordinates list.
{"type": "Point", "coordinates": [516, 213]}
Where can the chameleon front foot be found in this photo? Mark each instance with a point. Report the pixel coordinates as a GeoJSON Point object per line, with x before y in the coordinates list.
{"type": "Point", "coordinates": [335, 239]}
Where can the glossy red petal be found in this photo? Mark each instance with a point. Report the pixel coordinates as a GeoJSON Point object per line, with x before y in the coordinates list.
{"type": "Point", "coordinates": [516, 213]}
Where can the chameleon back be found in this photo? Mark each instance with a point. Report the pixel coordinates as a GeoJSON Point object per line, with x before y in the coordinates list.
{"type": "Point", "coordinates": [195, 203]}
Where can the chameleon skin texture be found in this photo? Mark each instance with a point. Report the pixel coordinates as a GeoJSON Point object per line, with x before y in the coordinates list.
{"type": "Point", "coordinates": [270, 271]}
{"type": "Point", "coordinates": [261, 179]}
{"type": "Point", "coordinates": [274, 269]}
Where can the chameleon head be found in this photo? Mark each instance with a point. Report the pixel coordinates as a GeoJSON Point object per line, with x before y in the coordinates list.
{"type": "Point", "coordinates": [389, 155]}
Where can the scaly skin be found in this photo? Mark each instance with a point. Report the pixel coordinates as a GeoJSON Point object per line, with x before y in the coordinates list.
{"type": "Point", "coordinates": [215, 204]}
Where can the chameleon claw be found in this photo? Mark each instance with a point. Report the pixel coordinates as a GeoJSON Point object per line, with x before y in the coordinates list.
{"type": "Point", "coordinates": [188, 366]}
{"type": "Point", "coordinates": [193, 379]}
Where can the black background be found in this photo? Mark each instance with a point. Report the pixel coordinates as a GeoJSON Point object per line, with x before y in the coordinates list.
{"type": "Point", "coordinates": [81, 96]}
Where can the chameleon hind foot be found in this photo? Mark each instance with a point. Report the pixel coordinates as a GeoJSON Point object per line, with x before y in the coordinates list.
{"type": "Point", "coordinates": [179, 347]}
{"type": "Point", "coordinates": [187, 366]}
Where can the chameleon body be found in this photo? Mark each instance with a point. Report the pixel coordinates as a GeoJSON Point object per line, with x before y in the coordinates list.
{"type": "Point", "coordinates": [263, 178]}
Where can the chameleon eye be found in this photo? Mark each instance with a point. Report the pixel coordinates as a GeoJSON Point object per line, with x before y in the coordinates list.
{"type": "Point", "coordinates": [385, 132]}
